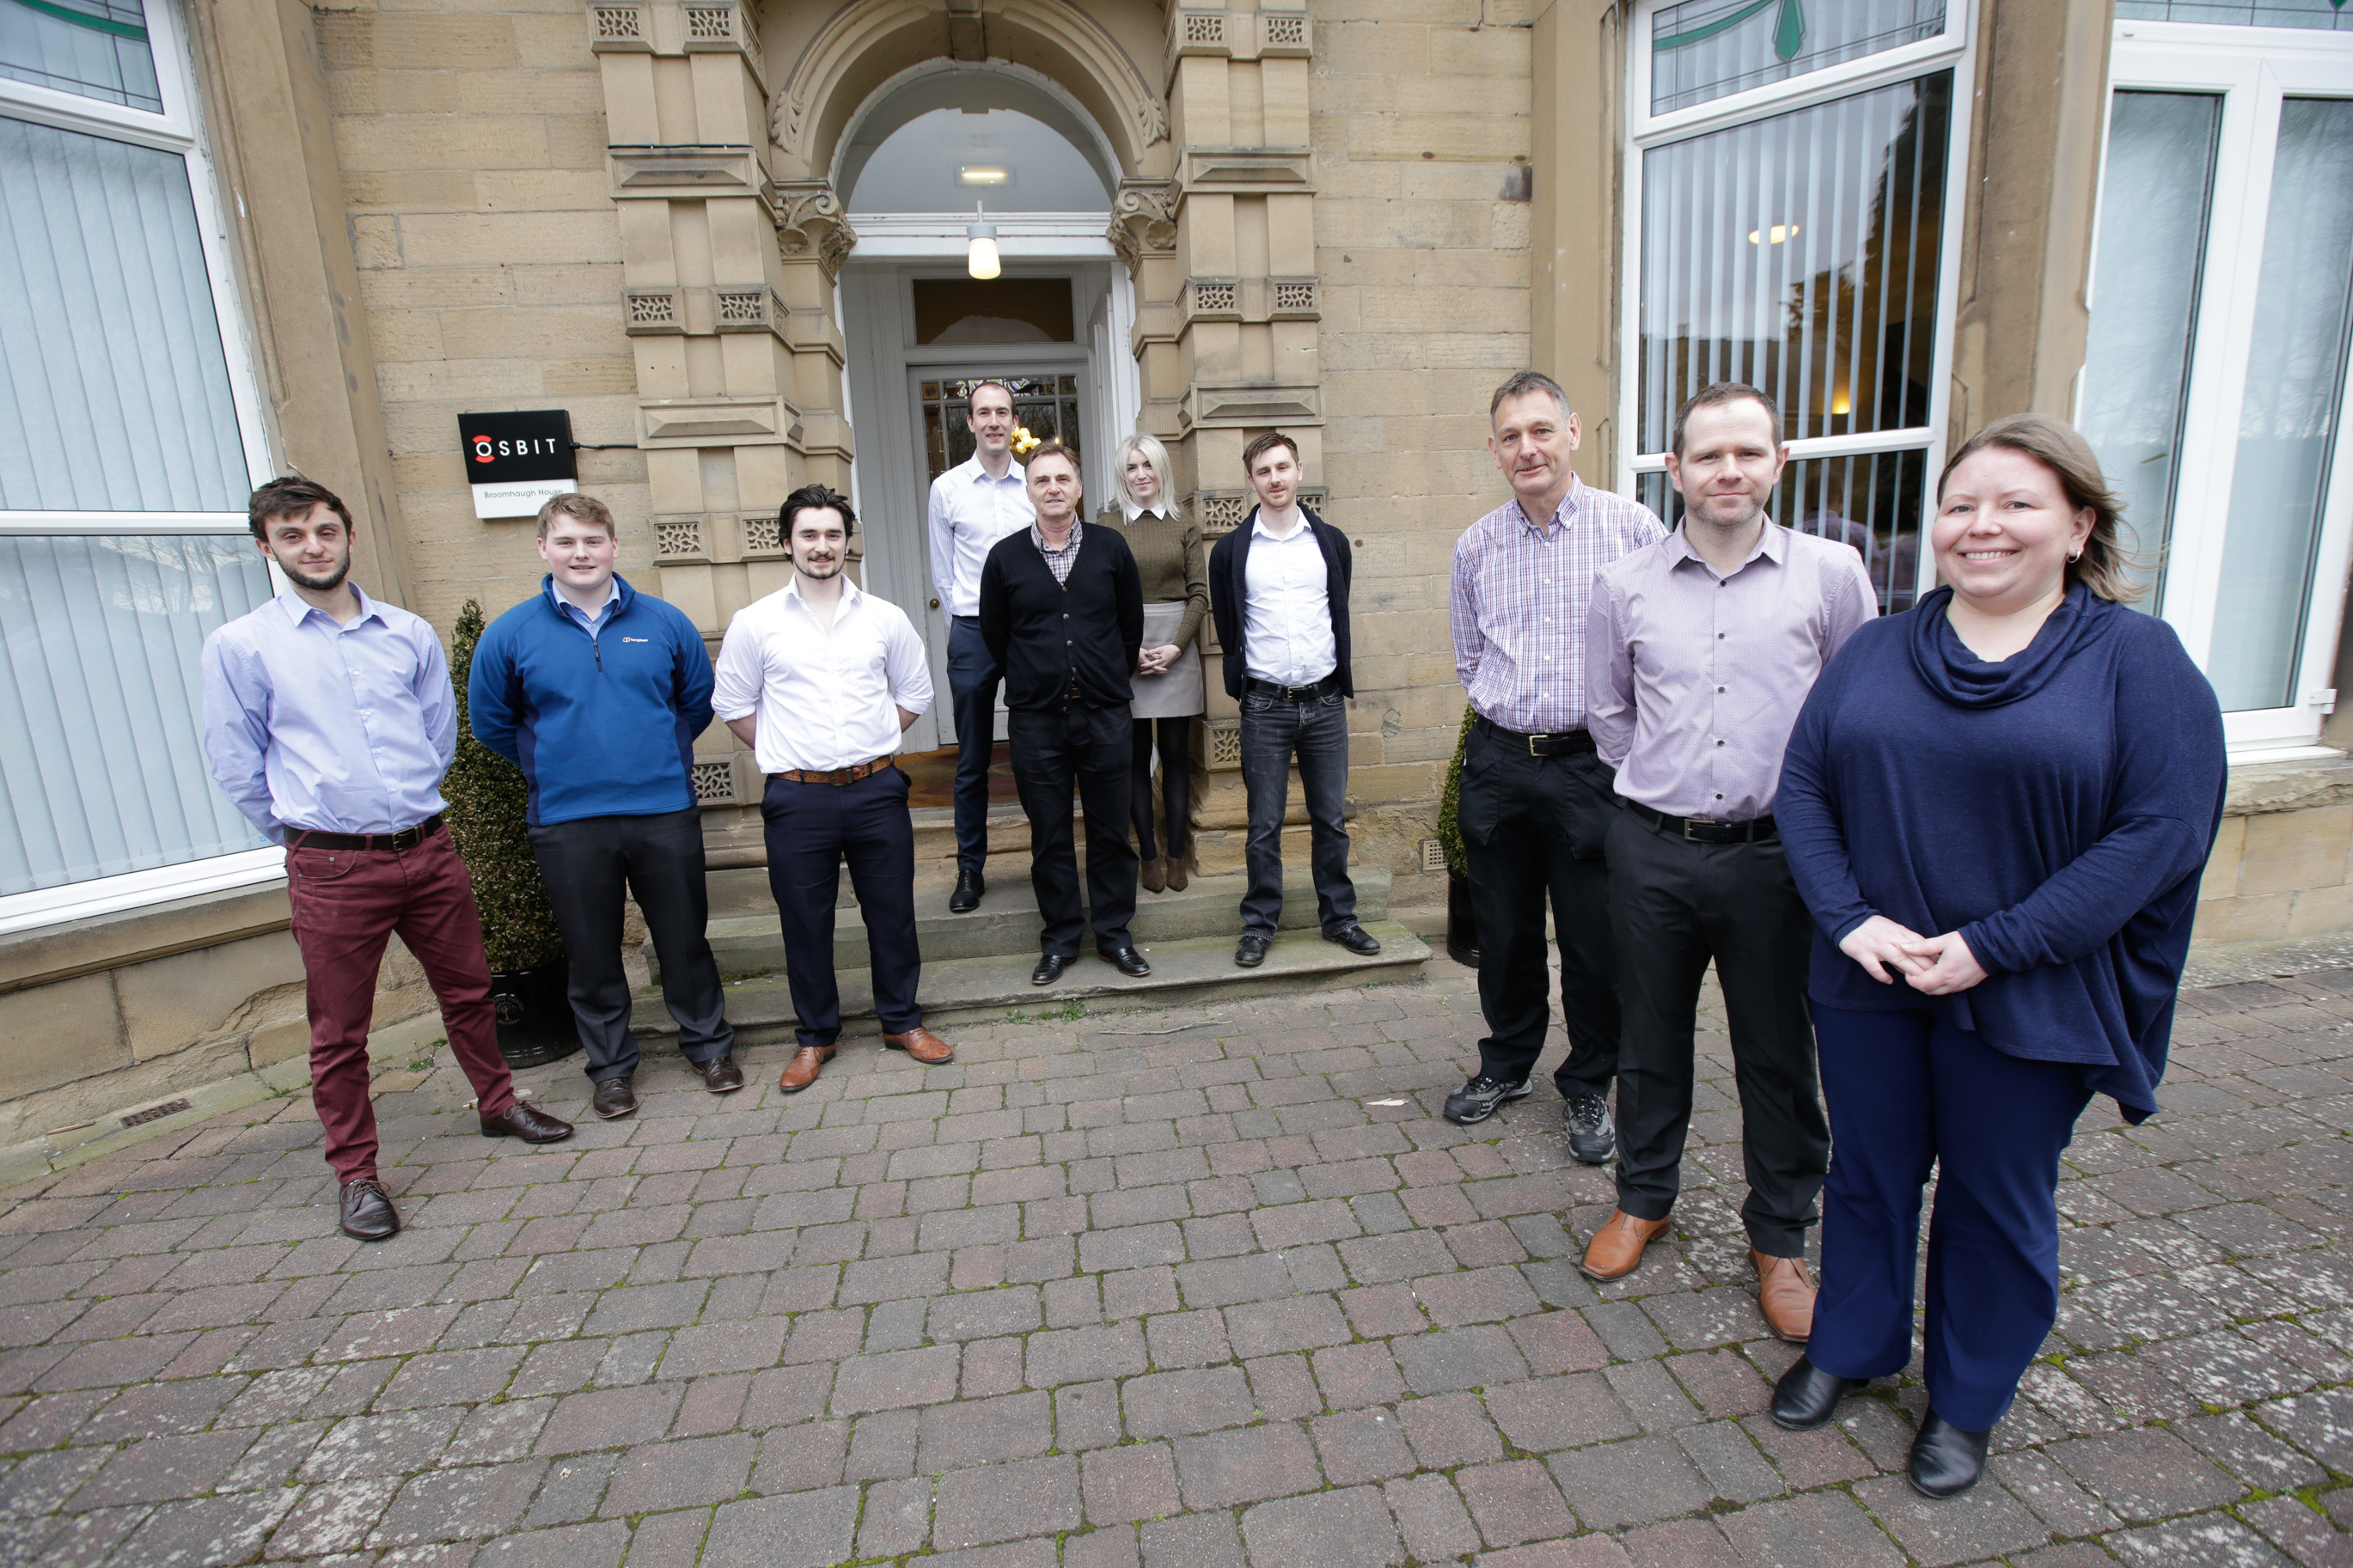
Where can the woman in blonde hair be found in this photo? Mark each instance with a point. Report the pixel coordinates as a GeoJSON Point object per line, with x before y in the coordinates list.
{"type": "Point", "coordinates": [1997, 807]}
{"type": "Point", "coordinates": [1168, 551]}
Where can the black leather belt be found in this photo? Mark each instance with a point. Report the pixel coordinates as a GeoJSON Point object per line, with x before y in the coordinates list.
{"type": "Point", "coordinates": [1321, 689]}
{"type": "Point", "coordinates": [1701, 830]}
{"type": "Point", "coordinates": [407, 838]}
{"type": "Point", "coordinates": [1562, 744]}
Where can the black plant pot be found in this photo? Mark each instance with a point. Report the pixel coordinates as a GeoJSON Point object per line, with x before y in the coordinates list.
{"type": "Point", "coordinates": [534, 1014]}
{"type": "Point", "coordinates": [1462, 924]}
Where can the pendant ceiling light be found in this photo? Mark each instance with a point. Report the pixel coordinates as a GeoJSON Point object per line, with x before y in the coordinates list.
{"type": "Point", "coordinates": [980, 253]}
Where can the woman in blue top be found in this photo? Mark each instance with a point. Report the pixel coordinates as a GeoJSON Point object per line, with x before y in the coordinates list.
{"type": "Point", "coordinates": [1997, 807]}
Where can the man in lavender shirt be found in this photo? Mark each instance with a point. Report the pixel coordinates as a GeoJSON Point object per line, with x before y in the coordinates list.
{"type": "Point", "coordinates": [1699, 651]}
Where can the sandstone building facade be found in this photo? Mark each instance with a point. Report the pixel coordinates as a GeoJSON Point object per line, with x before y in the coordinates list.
{"type": "Point", "coordinates": [729, 236]}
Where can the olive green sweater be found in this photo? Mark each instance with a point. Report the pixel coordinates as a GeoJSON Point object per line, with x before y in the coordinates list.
{"type": "Point", "coordinates": [1168, 558]}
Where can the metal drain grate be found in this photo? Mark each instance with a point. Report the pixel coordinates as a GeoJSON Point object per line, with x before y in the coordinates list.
{"type": "Point", "coordinates": [156, 1113]}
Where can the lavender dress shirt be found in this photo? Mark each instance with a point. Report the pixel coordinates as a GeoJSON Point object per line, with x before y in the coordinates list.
{"type": "Point", "coordinates": [1520, 597]}
{"type": "Point", "coordinates": [1695, 680]}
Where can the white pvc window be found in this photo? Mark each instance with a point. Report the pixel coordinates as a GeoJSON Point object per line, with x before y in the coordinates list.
{"type": "Point", "coordinates": [129, 436]}
{"type": "Point", "coordinates": [1792, 222]}
{"type": "Point", "coordinates": [2215, 376]}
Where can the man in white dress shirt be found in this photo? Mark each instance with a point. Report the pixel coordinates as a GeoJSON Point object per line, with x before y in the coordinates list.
{"type": "Point", "coordinates": [974, 505]}
{"type": "Point", "coordinates": [819, 678]}
{"type": "Point", "coordinates": [1279, 594]}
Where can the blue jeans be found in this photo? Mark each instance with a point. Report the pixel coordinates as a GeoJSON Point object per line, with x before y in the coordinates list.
{"type": "Point", "coordinates": [973, 678]}
{"type": "Point", "coordinates": [1909, 1090]}
{"type": "Point", "coordinates": [1274, 731]}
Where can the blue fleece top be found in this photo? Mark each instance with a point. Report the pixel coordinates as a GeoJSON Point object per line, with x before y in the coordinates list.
{"type": "Point", "coordinates": [2055, 808]}
{"type": "Point", "coordinates": [601, 726]}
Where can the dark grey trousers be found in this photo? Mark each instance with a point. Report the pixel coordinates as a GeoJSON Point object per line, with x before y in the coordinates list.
{"type": "Point", "coordinates": [657, 859]}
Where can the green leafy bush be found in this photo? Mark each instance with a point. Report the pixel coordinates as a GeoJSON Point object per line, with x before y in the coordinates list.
{"type": "Point", "coordinates": [1449, 805]}
{"type": "Point", "coordinates": [488, 800]}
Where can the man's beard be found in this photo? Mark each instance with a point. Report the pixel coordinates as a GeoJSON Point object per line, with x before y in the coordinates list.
{"type": "Point", "coordinates": [818, 569]}
{"type": "Point", "coordinates": [326, 585]}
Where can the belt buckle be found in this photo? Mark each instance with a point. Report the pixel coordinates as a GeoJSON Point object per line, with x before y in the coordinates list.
{"type": "Point", "coordinates": [407, 839]}
{"type": "Point", "coordinates": [1691, 821]}
{"type": "Point", "coordinates": [1531, 745]}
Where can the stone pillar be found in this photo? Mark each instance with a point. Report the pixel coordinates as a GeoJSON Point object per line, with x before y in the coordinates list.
{"type": "Point", "coordinates": [728, 297]}
{"type": "Point", "coordinates": [1235, 336]}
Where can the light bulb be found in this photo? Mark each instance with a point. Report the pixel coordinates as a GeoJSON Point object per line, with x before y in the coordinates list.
{"type": "Point", "coordinates": [980, 250]}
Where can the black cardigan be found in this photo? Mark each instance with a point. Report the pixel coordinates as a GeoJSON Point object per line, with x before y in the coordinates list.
{"type": "Point", "coordinates": [1229, 566]}
{"type": "Point", "coordinates": [1044, 635]}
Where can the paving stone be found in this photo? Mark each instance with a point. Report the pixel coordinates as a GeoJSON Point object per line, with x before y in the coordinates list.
{"type": "Point", "coordinates": [2145, 1474]}
{"type": "Point", "coordinates": [1132, 1482]}
{"type": "Point", "coordinates": [798, 1529]}
{"type": "Point", "coordinates": [1175, 1404]}
{"type": "Point", "coordinates": [1513, 1502]}
{"type": "Point", "coordinates": [1612, 1485]}
{"type": "Point", "coordinates": [1254, 1463]}
{"type": "Point", "coordinates": [1346, 1528]}
{"type": "Point", "coordinates": [1807, 1531]}
{"type": "Point", "coordinates": [1005, 1503]}
{"type": "Point", "coordinates": [2201, 1541]}
{"type": "Point", "coordinates": [1983, 1522]}
{"type": "Point", "coordinates": [679, 1473]}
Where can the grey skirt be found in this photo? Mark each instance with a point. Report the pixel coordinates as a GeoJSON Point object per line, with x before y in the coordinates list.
{"type": "Point", "coordinates": [1177, 694]}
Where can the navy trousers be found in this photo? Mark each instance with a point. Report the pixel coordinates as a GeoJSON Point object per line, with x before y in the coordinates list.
{"type": "Point", "coordinates": [1911, 1089]}
{"type": "Point", "coordinates": [973, 680]}
{"type": "Point", "coordinates": [811, 829]}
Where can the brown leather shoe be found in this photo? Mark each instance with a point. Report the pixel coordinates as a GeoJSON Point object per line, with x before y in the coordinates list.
{"type": "Point", "coordinates": [1617, 1247]}
{"type": "Point", "coordinates": [801, 1071]}
{"type": "Point", "coordinates": [523, 1119]}
{"type": "Point", "coordinates": [1152, 875]}
{"type": "Point", "coordinates": [923, 1044]}
{"type": "Point", "coordinates": [1785, 1296]}
{"type": "Point", "coordinates": [1175, 873]}
{"type": "Point", "coordinates": [368, 1214]}
{"type": "Point", "coordinates": [720, 1074]}
{"type": "Point", "coordinates": [615, 1097]}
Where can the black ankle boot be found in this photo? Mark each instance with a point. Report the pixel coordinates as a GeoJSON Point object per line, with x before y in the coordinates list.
{"type": "Point", "coordinates": [1945, 1460]}
{"type": "Point", "coordinates": [1806, 1397]}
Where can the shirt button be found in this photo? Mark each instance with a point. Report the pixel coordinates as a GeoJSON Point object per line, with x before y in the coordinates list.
{"type": "Point", "coordinates": [1719, 637]}
{"type": "Point", "coordinates": [1719, 689]}
{"type": "Point", "coordinates": [1719, 742]}
{"type": "Point", "coordinates": [1719, 795]}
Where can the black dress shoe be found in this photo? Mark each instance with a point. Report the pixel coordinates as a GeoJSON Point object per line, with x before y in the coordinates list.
{"type": "Point", "coordinates": [720, 1074]}
{"type": "Point", "coordinates": [615, 1097]}
{"type": "Point", "coordinates": [522, 1120]}
{"type": "Point", "coordinates": [1806, 1397]}
{"type": "Point", "coordinates": [1945, 1460]}
{"type": "Point", "coordinates": [1127, 960]}
{"type": "Point", "coordinates": [1251, 951]}
{"type": "Point", "coordinates": [1049, 969]}
{"type": "Point", "coordinates": [368, 1214]}
{"type": "Point", "coordinates": [969, 886]}
{"type": "Point", "coordinates": [1355, 938]}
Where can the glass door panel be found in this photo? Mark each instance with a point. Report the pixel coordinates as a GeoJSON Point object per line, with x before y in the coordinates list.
{"type": "Point", "coordinates": [2154, 207]}
{"type": "Point", "coordinates": [2290, 412]}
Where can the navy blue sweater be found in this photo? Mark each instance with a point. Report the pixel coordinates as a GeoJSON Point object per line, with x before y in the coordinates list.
{"type": "Point", "coordinates": [601, 726]}
{"type": "Point", "coordinates": [2055, 808]}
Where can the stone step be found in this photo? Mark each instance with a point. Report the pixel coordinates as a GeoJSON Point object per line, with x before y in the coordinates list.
{"type": "Point", "coordinates": [1008, 923]}
{"type": "Point", "coordinates": [1187, 972]}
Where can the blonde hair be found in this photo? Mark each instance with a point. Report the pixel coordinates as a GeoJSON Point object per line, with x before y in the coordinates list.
{"type": "Point", "coordinates": [2105, 567]}
{"type": "Point", "coordinates": [1157, 455]}
{"type": "Point", "coordinates": [580, 509]}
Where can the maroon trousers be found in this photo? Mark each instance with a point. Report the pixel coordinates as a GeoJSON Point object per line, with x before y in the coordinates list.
{"type": "Point", "coordinates": [347, 903]}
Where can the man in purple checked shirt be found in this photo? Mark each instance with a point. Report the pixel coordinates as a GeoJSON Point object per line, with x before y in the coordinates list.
{"type": "Point", "coordinates": [1536, 801]}
{"type": "Point", "coordinates": [1699, 651]}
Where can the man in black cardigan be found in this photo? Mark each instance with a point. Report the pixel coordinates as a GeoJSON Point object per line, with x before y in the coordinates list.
{"type": "Point", "coordinates": [1279, 592]}
{"type": "Point", "coordinates": [1061, 609]}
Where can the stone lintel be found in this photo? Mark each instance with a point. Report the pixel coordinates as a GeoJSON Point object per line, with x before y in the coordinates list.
{"type": "Point", "coordinates": [1234, 408]}
{"type": "Point", "coordinates": [673, 422]}
{"type": "Point", "coordinates": [685, 171]}
{"type": "Point", "coordinates": [1245, 171]}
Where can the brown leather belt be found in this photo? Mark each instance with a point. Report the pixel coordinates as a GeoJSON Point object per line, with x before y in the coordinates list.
{"type": "Point", "coordinates": [835, 776]}
{"type": "Point", "coordinates": [407, 838]}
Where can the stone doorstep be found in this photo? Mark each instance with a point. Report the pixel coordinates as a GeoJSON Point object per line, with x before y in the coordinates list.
{"type": "Point", "coordinates": [1007, 921]}
{"type": "Point", "coordinates": [1194, 970]}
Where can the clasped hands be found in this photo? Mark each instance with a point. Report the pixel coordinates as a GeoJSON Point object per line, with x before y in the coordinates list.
{"type": "Point", "coordinates": [1933, 965]}
{"type": "Point", "coordinates": [1155, 660]}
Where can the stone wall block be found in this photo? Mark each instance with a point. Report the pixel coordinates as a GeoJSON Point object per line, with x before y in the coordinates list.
{"type": "Point", "coordinates": [2288, 850]}
{"type": "Point", "coordinates": [60, 1032]}
{"type": "Point", "coordinates": [212, 993]}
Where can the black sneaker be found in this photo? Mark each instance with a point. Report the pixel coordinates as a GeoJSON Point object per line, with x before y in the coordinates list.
{"type": "Point", "coordinates": [1592, 1136]}
{"type": "Point", "coordinates": [1481, 1098]}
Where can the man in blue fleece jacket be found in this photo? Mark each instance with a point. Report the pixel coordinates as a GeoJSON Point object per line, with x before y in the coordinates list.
{"type": "Point", "coordinates": [596, 692]}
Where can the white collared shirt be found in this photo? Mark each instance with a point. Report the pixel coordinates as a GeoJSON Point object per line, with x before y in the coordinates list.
{"type": "Point", "coordinates": [1130, 511]}
{"type": "Point", "coordinates": [1287, 607]}
{"type": "Point", "coordinates": [825, 700]}
{"type": "Point", "coordinates": [969, 513]}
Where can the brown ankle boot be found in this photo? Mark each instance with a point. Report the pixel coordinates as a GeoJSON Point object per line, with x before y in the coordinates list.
{"type": "Point", "coordinates": [1175, 873]}
{"type": "Point", "coordinates": [1149, 874]}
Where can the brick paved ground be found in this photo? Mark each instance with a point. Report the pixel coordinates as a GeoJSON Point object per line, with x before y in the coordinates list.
{"type": "Point", "coordinates": [1103, 1296]}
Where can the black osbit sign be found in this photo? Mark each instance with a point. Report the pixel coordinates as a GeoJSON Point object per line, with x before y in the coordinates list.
{"type": "Point", "coordinates": [516, 461]}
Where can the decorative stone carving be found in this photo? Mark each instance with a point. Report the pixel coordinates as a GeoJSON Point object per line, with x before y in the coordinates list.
{"type": "Point", "coordinates": [1283, 34]}
{"type": "Point", "coordinates": [1220, 512]}
{"type": "Point", "coordinates": [754, 310]}
{"type": "Point", "coordinates": [1213, 299]}
{"type": "Point", "coordinates": [811, 225]}
{"type": "Point", "coordinates": [1292, 299]}
{"type": "Point", "coordinates": [763, 535]}
{"type": "Point", "coordinates": [678, 539]}
{"type": "Point", "coordinates": [718, 25]}
{"type": "Point", "coordinates": [619, 29]}
{"type": "Point", "coordinates": [1144, 221]}
{"type": "Point", "coordinates": [653, 311]}
{"type": "Point", "coordinates": [714, 782]}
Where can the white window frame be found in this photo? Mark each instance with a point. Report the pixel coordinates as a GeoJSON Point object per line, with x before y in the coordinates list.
{"type": "Point", "coordinates": [2251, 69]}
{"type": "Point", "coordinates": [1955, 50]}
{"type": "Point", "coordinates": [178, 128]}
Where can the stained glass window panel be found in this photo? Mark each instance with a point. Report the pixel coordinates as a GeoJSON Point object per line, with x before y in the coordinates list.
{"type": "Point", "coordinates": [1707, 49]}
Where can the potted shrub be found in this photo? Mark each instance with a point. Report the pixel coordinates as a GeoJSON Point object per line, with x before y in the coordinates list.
{"type": "Point", "coordinates": [530, 976]}
{"type": "Point", "coordinates": [1462, 921]}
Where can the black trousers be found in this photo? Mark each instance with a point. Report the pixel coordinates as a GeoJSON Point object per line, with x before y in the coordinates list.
{"type": "Point", "coordinates": [1175, 746]}
{"type": "Point", "coordinates": [586, 863]}
{"type": "Point", "coordinates": [1676, 905]}
{"type": "Point", "coordinates": [1050, 749]}
{"type": "Point", "coordinates": [811, 828]}
{"type": "Point", "coordinates": [1533, 828]}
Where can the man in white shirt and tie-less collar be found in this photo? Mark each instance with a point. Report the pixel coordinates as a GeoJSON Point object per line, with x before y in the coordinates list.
{"type": "Point", "coordinates": [820, 678]}
{"type": "Point", "coordinates": [973, 506]}
{"type": "Point", "coordinates": [1279, 594]}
